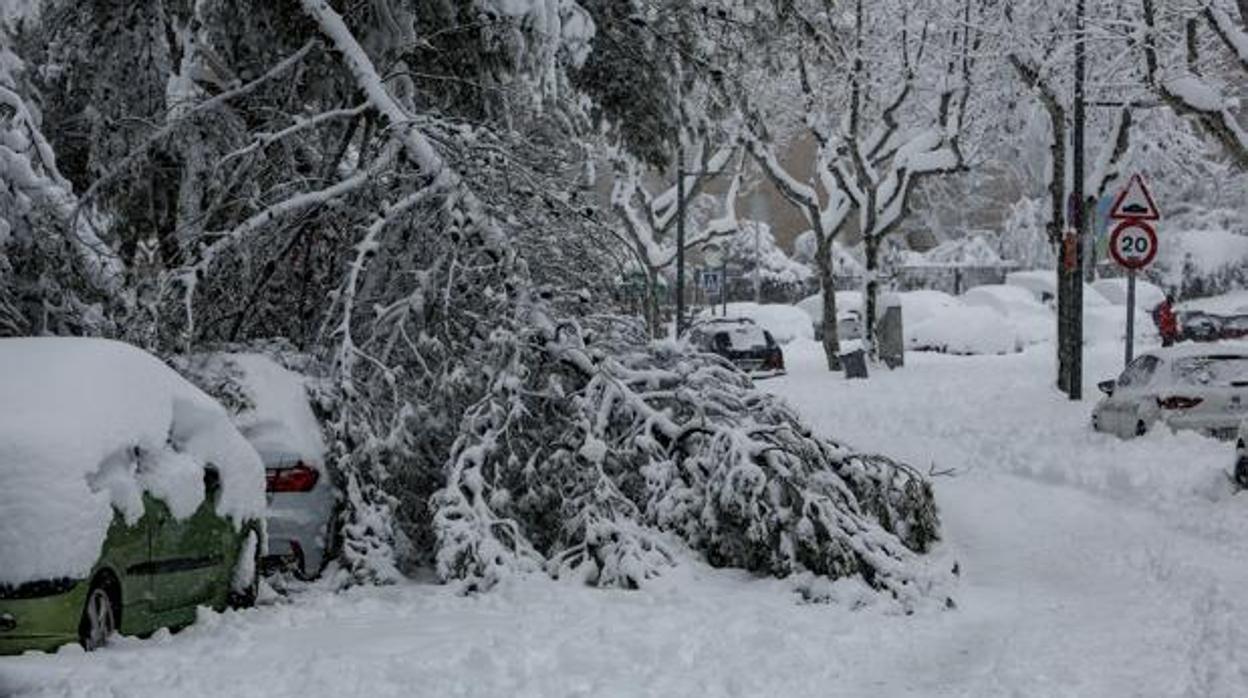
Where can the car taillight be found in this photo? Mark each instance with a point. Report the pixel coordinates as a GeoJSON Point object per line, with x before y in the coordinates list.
{"type": "Point", "coordinates": [300, 478]}
{"type": "Point", "coordinates": [1177, 402]}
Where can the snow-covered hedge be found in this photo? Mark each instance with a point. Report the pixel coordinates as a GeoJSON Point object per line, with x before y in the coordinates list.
{"type": "Point", "coordinates": [604, 457]}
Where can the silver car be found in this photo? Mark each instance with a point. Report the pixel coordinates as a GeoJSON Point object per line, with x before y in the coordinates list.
{"type": "Point", "coordinates": [1196, 387]}
{"type": "Point", "coordinates": [270, 406]}
{"type": "Point", "coordinates": [300, 516]}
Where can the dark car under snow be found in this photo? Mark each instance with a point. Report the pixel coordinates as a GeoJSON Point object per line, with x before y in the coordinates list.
{"type": "Point", "coordinates": [741, 341]}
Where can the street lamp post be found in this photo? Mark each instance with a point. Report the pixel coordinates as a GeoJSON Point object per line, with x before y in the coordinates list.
{"type": "Point", "coordinates": [681, 173]}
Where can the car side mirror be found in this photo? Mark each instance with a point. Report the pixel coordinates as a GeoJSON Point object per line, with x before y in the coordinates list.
{"type": "Point", "coordinates": [1107, 387]}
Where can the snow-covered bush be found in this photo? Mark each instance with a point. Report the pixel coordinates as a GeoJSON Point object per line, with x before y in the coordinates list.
{"type": "Point", "coordinates": [597, 457]}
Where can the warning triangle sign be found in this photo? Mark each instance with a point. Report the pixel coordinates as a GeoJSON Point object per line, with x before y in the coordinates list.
{"type": "Point", "coordinates": [1135, 203]}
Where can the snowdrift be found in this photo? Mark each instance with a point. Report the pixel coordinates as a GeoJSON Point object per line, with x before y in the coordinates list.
{"type": "Point", "coordinates": [88, 425]}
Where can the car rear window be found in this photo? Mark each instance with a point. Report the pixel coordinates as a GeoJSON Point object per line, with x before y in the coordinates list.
{"type": "Point", "coordinates": [1212, 370]}
{"type": "Point", "coordinates": [744, 337]}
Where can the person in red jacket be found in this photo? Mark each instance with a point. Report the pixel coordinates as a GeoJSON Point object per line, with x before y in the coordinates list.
{"type": "Point", "coordinates": [1167, 322]}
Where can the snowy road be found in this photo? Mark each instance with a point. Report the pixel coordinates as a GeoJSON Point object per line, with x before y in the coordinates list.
{"type": "Point", "coordinates": [1089, 567]}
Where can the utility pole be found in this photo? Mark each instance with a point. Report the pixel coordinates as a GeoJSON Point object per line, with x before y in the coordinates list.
{"type": "Point", "coordinates": [1074, 335]}
{"type": "Point", "coordinates": [680, 240]}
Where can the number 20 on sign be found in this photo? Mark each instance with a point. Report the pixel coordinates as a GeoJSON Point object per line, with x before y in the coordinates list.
{"type": "Point", "coordinates": [1133, 244]}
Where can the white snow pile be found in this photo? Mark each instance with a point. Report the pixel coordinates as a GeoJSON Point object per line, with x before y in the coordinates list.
{"type": "Point", "coordinates": [785, 322]}
{"type": "Point", "coordinates": [269, 403]}
{"type": "Point", "coordinates": [88, 425]}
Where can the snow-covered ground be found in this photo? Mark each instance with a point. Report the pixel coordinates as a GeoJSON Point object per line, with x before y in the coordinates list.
{"type": "Point", "coordinates": [1088, 566]}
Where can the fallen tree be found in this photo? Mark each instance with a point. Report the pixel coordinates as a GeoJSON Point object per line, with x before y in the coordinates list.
{"type": "Point", "coordinates": [597, 456]}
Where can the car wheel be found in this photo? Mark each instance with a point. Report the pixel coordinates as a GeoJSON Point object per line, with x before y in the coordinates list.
{"type": "Point", "coordinates": [99, 615]}
{"type": "Point", "coordinates": [1141, 428]}
{"type": "Point", "coordinates": [1241, 472]}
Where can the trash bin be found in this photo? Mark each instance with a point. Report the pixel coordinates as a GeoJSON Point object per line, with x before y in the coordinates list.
{"type": "Point", "coordinates": [854, 363]}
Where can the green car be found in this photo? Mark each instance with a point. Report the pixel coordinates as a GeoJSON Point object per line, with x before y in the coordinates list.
{"type": "Point", "coordinates": [127, 497]}
{"type": "Point", "coordinates": [151, 575]}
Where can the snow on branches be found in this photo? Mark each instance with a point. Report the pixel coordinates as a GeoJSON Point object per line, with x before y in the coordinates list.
{"type": "Point", "coordinates": [599, 457]}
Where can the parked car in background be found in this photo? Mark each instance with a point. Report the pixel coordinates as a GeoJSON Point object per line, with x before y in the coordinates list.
{"type": "Point", "coordinates": [1198, 387]}
{"type": "Point", "coordinates": [1241, 455]}
{"type": "Point", "coordinates": [128, 497]}
{"type": "Point", "coordinates": [271, 408]}
{"type": "Point", "coordinates": [1114, 290]}
{"type": "Point", "coordinates": [741, 341]}
{"type": "Point", "coordinates": [848, 314]}
{"type": "Point", "coordinates": [1235, 327]}
{"type": "Point", "coordinates": [1200, 327]}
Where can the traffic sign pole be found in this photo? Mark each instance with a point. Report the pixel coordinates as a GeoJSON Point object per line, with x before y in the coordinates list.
{"type": "Point", "coordinates": [1130, 317]}
{"type": "Point", "coordinates": [1133, 243]}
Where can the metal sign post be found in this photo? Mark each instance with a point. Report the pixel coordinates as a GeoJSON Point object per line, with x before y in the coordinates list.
{"type": "Point", "coordinates": [1133, 244]}
{"type": "Point", "coordinates": [1130, 353]}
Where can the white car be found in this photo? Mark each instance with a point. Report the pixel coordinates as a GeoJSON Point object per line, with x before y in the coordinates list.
{"type": "Point", "coordinates": [1198, 387]}
{"type": "Point", "coordinates": [270, 406]}
{"type": "Point", "coordinates": [1241, 455]}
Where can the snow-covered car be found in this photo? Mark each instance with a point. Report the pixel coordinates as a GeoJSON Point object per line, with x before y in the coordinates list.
{"type": "Point", "coordinates": [741, 341]}
{"type": "Point", "coordinates": [848, 314]}
{"type": "Point", "coordinates": [1241, 455]}
{"type": "Point", "coordinates": [786, 323]}
{"type": "Point", "coordinates": [1043, 284]}
{"type": "Point", "coordinates": [127, 498]}
{"type": "Point", "coordinates": [936, 321]}
{"type": "Point", "coordinates": [271, 409]}
{"type": "Point", "coordinates": [1147, 295]}
{"type": "Point", "coordinates": [962, 329]}
{"type": "Point", "coordinates": [1194, 387]}
{"type": "Point", "coordinates": [1200, 327]}
{"type": "Point", "coordinates": [1032, 321]}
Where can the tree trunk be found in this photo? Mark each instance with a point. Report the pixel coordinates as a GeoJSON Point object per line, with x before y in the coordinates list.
{"type": "Point", "coordinates": [827, 286]}
{"type": "Point", "coordinates": [871, 246]}
{"type": "Point", "coordinates": [653, 318]}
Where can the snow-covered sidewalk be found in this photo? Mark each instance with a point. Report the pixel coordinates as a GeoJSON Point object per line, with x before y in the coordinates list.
{"type": "Point", "coordinates": [1089, 567]}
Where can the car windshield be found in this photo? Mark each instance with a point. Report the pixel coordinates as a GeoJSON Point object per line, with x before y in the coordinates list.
{"type": "Point", "coordinates": [1212, 370]}
{"type": "Point", "coordinates": [744, 337]}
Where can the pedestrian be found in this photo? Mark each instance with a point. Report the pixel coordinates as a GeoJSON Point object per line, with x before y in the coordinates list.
{"type": "Point", "coordinates": [1167, 322]}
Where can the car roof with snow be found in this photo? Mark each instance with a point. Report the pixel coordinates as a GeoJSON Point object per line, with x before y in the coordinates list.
{"type": "Point", "coordinates": [1189, 350]}
{"type": "Point", "coordinates": [277, 418]}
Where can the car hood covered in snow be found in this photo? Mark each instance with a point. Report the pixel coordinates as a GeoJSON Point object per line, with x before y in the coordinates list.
{"type": "Point", "coordinates": [88, 425]}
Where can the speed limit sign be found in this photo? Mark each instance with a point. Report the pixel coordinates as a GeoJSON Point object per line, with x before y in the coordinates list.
{"type": "Point", "coordinates": [1133, 244]}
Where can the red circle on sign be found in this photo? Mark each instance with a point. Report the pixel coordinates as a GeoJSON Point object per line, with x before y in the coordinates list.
{"type": "Point", "coordinates": [1135, 258]}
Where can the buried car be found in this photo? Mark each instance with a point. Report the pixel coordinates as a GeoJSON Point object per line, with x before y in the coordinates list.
{"type": "Point", "coordinates": [1196, 387]}
{"type": "Point", "coordinates": [741, 341]}
{"type": "Point", "coordinates": [128, 498]}
{"type": "Point", "coordinates": [270, 406]}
